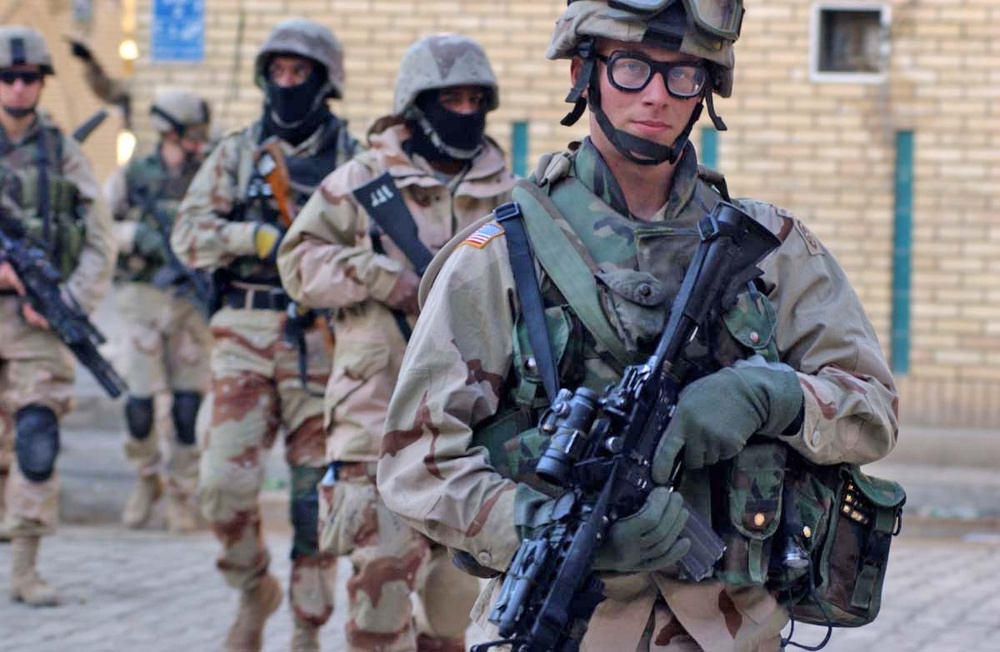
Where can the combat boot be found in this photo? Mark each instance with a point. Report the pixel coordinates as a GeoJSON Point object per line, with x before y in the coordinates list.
{"type": "Point", "coordinates": [137, 510]}
{"type": "Point", "coordinates": [305, 637]}
{"type": "Point", "coordinates": [26, 585]}
{"type": "Point", "coordinates": [181, 516]}
{"type": "Point", "coordinates": [256, 605]}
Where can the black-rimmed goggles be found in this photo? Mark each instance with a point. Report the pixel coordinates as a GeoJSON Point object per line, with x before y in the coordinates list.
{"type": "Point", "coordinates": [630, 72]}
{"type": "Point", "coordinates": [27, 76]}
{"type": "Point", "coordinates": [721, 18]}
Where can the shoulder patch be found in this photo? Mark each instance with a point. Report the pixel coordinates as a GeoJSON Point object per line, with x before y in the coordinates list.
{"type": "Point", "coordinates": [483, 235]}
{"type": "Point", "coordinates": [812, 244]}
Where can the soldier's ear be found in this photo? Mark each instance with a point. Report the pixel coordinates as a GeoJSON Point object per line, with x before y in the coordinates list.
{"type": "Point", "coordinates": [575, 67]}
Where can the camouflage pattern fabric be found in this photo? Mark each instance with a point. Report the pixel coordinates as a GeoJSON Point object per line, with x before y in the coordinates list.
{"type": "Point", "coordinates": [460, 363]}
{"type": "Point", "coordinates": [34, 366]}
{"type": "Point", "coordinates": [327, 261]}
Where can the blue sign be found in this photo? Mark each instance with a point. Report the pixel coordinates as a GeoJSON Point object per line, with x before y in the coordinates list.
{"type": "Point", "coordinates": [178, 30]}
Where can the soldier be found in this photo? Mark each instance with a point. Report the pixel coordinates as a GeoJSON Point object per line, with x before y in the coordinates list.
{"type": "Point", "coordinates": [49, 186]}
{"type": "Point", "coordinates": [431, 170]}
{"type": "Point", "coordinates": [460, 446]}
{"type": "Point", "coordinates": [229, 222]}
{"type": "Point", "coordinates": [167, 341]}
{"type": "Point", "coordinates": [6, 461]}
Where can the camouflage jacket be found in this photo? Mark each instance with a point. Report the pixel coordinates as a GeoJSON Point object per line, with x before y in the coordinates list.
{"type": "Point", "coordinates": [126, 191]}
{"type": "Point", "coordinates": [80, 237]}
{"type": "Point", "coordinates": [216, 220]}
{"type": "Point", "coordinates": [327, 261]}
{"type": "Point", "coordinates": [458, 374]}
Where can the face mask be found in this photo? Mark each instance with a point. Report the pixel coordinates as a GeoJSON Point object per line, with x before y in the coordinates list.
{"type": "Point", "coordinates": [461, 134]}
{"type": "Point", "coordinates": [290, 105]}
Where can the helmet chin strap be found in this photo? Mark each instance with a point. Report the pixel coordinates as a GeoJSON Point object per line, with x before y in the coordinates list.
{"type": "Point", "coordinates": [18, 112]}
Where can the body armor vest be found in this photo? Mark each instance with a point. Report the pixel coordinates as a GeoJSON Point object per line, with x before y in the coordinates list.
{"type": "Point", "coordinates": [151, 186]}
{"type": "Point", "coordinates": [638, 267]}
{"type": "Point", "coordinates": [48, 203]}
{"type": "Point", "coordinates": [306, 172]}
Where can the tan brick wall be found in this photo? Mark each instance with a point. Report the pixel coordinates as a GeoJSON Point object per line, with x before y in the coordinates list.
{"type": "Point", "coordinates": [824, 150]}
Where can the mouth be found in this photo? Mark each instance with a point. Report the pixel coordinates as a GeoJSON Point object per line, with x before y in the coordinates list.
{"type": "Point", "coordinates": [651, 127]}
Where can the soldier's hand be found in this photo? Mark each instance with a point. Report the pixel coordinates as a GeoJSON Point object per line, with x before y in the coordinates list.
{"type": "Point", "coordinates": [266, 238]}
{"type": "Point", "coordinates": [9, 280]}
{"type": "Point", "coordinates": [32, 317]}
{"type": "Point", "coordinates": [648, 540]}
{"type": "Point", "coordinates": [717, 414]}
{"type": "Point", "coordinates": [148, 242]}
{"type": "Point", "coordinates": [403, 296]}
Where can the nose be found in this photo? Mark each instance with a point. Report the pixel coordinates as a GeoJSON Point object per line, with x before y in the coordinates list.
{"type": "Point", "coordinates": [466, 104]}
{"type": "Point", "coordinates": [284, 78]}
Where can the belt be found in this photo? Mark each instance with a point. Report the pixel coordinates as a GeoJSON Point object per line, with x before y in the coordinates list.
{"type": "Point", "coordinates": [247, 299]}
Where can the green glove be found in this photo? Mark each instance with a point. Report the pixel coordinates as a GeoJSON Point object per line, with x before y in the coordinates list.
{"type": "Point", "coordinates": [266, 238]}
{"type": "Point", "coordinates": [649, 540]}
{"type": "Point", "coordinates": [717, 414]}
{"type": "Point", "coordinates": [148, 242]}
{"type": "Point", "coordinates": [646, 541]}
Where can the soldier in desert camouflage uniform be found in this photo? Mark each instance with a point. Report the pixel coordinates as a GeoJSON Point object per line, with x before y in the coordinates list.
{"type": "Point", "coordinates": [447, 173]}
{"type": "Point", "coordinates": [795, 360]}
{"type": "Point", "coordinates": [229, 222]}
{"type": "Point", "coordinates": [47, 183]}
{"type": "Point", "coordinates": [167, 342]}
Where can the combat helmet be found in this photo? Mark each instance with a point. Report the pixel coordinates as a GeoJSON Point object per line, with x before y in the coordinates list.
{"type": "Point", "coordinates": [705, 29]}
{"type": "Point", "coordinates": [22, 45]}
{"type": "Point", "coordinates": [439, 61]}
{"type": "Point", "coordinates": [182, 111]}
{"type": "Point", "coordinates": [304, 38]}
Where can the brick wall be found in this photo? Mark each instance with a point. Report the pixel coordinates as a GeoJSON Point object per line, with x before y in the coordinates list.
{"type": "Point", "coordinates": [824, 150]}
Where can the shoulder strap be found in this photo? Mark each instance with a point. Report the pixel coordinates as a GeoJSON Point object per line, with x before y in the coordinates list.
{"type": "Point", "coordinates": [568, 270]}
{"type": "Point", "coordinates": [522, 265]}
{"type": "Point", "coordinates": [381, 200]}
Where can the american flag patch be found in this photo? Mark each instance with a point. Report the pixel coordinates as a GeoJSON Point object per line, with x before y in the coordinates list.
{"type": "Point", "coordinates": [485, 233]}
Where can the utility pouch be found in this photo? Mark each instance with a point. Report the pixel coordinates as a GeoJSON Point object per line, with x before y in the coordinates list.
{"type": "Point", "coordinates": [752, 504]}
{"type": "Point", "coordinates": [850, 519]}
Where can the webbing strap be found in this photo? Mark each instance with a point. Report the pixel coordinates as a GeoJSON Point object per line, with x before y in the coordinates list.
{"type": "Point", "coordinates": [566, 268]}
{"type": "Point", "coordinates": [522, 265]}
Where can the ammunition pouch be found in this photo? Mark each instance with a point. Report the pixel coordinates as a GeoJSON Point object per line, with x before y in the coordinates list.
{"type": "Point", "coordinates": [775, 506]}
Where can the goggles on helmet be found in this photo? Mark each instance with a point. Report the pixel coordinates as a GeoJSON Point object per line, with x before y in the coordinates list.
{"type": "Point", "coordinates": [721, 18]}
{"type": "Point", "coordinates": [631, 72]}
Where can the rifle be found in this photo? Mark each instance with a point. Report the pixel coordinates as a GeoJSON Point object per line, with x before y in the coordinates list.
{"type": "Point", "coordinates": [272, 168]}
{"type": "Point", "coordinates": [600, 452]}
{"type": "Point", "coordinates": [174, 272]}
{"type": "Point", "coordinates": [67, 320]}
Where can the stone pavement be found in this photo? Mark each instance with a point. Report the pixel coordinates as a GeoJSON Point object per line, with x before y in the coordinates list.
{"type": "Point", "coordinates": [153, 592]}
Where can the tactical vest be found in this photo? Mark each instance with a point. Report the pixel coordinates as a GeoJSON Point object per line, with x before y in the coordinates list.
{"type": "Point", "coordinates": [49, 204]}
{"type": "Point", "coordinates": [637, 268]}
{"type": "Point", "coordinates": [306, 172]}
{"type": "Point", "coordinates": [148, 180]}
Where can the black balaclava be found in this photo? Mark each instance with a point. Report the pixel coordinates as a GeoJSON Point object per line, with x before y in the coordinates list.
{"type": "Point", "coordinates": [293, 113]}
{"type": "Point", "coordinates": [442, 135]}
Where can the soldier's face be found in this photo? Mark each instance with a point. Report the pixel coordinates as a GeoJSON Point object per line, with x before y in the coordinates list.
{"type": "Point", "coordinates": [463, 99]}
{"type": "Point", "coordinates": [288, 70]}
{"type": "Point", "coordinates": [651, 113]}
{"type": "Point", "coordinates": [21, 86]}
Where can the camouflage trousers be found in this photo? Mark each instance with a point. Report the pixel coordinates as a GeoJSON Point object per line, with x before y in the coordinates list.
{"type": "Point", "coordinates": [166, 348]}
{"type": "Point", "coordinates": [256, 391]}
{"type": "Point", "coordinates": [391, 561]}
{"type": "Point", "coordinates": [35, 369]}
{"type": "Point", "coordinates": [6, 455]}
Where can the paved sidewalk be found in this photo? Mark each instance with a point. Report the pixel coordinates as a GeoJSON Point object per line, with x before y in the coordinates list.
{"type": "Point", "coordinates": [153, 592]}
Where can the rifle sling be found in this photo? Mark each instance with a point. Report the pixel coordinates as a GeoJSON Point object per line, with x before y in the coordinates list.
{"type": "Point", "coordinates": [397, 315]}
{"type": "Point", "coordinates": [381, 200]}
{"type": "Point", "coordinates": [522, 265]}
{"type": "Point", "coordinates": [568, 270]}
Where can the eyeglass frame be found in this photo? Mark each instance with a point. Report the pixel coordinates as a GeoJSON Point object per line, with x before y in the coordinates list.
{"type": "Point", "coordinates": [661, 67]}
{"type": "Point", "coordinates": [28, 77]}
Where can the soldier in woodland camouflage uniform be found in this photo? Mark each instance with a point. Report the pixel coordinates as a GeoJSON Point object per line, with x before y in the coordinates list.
{"type": "Point", "coordinates": [167, 341]}
{"type": "Point", "coordinates": [795, 360]}
{"type": "Point", "coordinates": [48, 185]}
{"type": "Point", "coordinates": [229, 223]}
{"type": "Point", "coordinates": [447, 173]}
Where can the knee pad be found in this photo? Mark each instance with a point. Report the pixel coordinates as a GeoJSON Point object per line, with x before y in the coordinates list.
{"type": "Point", "coordinates": [139, 416]}
{"type": "Point", "coordinates": [37, 442]}
{"type": "Point", "coordinates": [185, 414]}
{"type": "Point", "coordinates": [304, 508]}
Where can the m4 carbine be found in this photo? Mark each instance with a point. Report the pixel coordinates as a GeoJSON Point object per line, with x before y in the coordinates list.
{"type": "Point", "coordinates": [601, 449]}
{"type": "Point", "coordinates": [43, 292]}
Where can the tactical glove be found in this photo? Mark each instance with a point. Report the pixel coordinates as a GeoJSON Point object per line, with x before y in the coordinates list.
{"type": "Point", "coordinates": [148, 242]}
{"type": "Point", "coordinates": [266, 238]}
{"type": "Point", "coordinates": [646, 541]}
{"type": "Point", "coordinates": [717, 414]}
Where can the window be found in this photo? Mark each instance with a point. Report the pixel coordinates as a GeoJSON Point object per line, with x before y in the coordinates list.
{"type": "Point", "coordinates": [849, 43]}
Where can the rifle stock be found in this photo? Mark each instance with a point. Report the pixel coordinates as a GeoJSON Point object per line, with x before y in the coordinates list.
{"type": "Point", "coordinates": [600, 451]}
{"type": "Point", "coordinates": [271, 166]}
